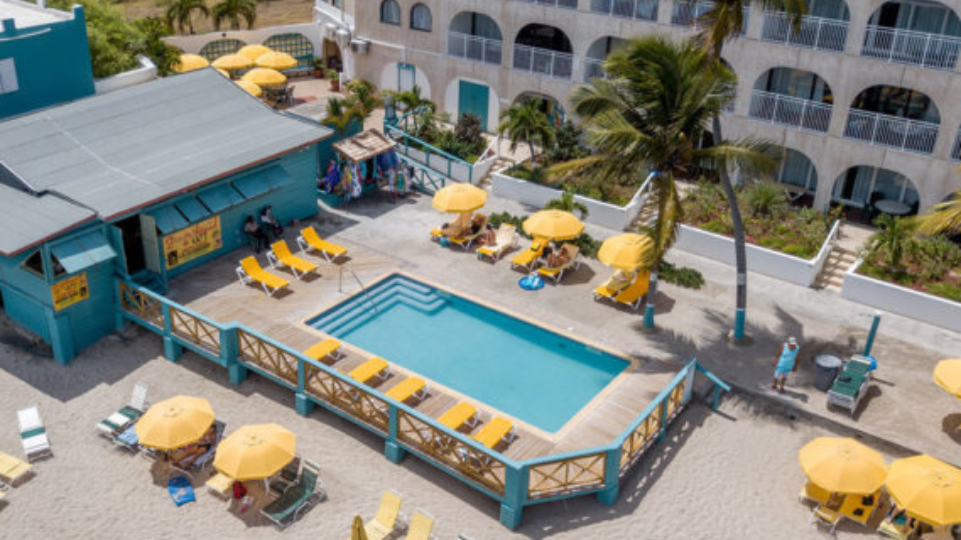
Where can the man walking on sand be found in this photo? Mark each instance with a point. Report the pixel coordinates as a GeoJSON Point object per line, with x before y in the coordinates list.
{"type": "Point", "coordinates": [785, 363]}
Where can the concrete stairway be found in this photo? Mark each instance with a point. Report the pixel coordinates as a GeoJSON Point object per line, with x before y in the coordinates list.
{"type": "Point", "coordinates": [832, 275]}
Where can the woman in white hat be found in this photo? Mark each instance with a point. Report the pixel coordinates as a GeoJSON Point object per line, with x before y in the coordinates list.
{"type": "Point", "coordinates": [784, 363]}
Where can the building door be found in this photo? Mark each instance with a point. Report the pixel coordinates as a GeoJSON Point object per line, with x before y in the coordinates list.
{"type": "Point", "coordinates": [473, 99]}
{"type": "Point", "coordinates": [132, 244]}
{"type": "Point", "coordinates": [406, 77]}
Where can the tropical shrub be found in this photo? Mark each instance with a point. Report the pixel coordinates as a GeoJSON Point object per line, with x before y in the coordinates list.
{"type": "Point", "coordinates": [689, 278]}
{"type": "Point", "coordinates": [930, 264]}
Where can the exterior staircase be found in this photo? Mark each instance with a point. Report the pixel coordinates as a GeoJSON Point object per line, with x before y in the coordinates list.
{"type": "Point", "coordinates": [501, 163]}
{"type": "Point", "coordinates": [832, 275]}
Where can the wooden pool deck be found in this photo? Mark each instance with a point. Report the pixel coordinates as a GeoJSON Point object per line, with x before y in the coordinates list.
{"type": "Point", "coordinates": [213, 291]}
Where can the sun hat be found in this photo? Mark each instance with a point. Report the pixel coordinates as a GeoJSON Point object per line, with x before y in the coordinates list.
{"type": "Point", "coordinates": [791, 341]}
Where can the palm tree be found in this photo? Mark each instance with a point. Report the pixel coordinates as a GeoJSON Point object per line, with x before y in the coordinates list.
{"type": "Point", "coordinates": [567, 203]}
{"type": "Point", "coordinates": [235, 11]}
{"type": "Point", "coordinates": [408, 100]}
{"type": "Point", "coordinates": [341, 113]}
{"type": "Point", "coordinates": [648, 117]}
{"type": "Point", "coordinates": [894, 237]}
{"type": "Point", "coordinates": [364, 96]}
{"type": "Point", "coordinates": [180, 13]}
{"type": "Point", "coordinates": [943, 218]}
{"type": "Point", "coordinates": [722, 23]}
{"type": "Point", "coordinates": [526, 122]}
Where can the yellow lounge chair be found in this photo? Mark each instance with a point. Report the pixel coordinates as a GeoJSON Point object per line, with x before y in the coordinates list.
{"type": "Point", "coordinates": [495, 431]}
{"type": "Point", "coordinates": [823, 515]}
{"type": "Point", "coordinates": [12, 469]}
{"type": "Point", "coordinates": [619, 281]}
{"type": "Point", "coordinates": [528, 257]}
{"type": "Point", "coordinates": [814, 493]}
{"type": "Point", "coordinates": [572, 259]}
{"type": "Point", "coordinates": [459, 415]}
{"type": "Point", "coordinates": [505, 239]}
{"type": "Point", "coordinates": [409, 387]}
{"type": "Point", "coordinates": [280, 255]}
{"type": "Point", "coordinates": [220, 484]}
{"type": "Point", "coordinates": [467, 237]}
{"type": "Point", "coordinates": [387, 518]}
{"type": "Point", "coordinates": [375, 367]}
{"type": "Point", "coordinates": [855, 509]}
{"type": "Point", "coordinates": [633, 295]}
{"type": "Point", "coordinates": [421, 525]}
{"type": "Point", "coordinates": [328, 348]}
{"type": "Point", "coordinates": [251, 271]}
{"type": "Point", "coordinates": [309, 239]}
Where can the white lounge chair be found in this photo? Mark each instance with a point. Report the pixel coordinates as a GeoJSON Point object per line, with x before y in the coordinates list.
{"type": "Point", "coordinates": [33, 434]}
{"type": "Point", "coordinates": [118, 421]}
{"type": "Point", "coordinates": [506, 239]}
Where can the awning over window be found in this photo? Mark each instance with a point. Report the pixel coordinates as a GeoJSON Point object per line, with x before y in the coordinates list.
{"type": "Point", "coordinates": [220, 197]}
{"type": "Point", "coordinates": [168, 219]}
{"type": "Point", "coordinates": [192, 209]}
{"type": "Point", "coordinates": [264, 180]}
{"type": "Point", "coordinates": [83, 252]}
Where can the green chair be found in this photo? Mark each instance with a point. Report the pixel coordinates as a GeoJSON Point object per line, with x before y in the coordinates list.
{"type": "Point", "coordinates": [300, 497]}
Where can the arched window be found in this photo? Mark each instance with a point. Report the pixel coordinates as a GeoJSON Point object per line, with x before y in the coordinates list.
{"type": "Point", "coordinates": [420, 18]}
{"type": "Point", "coordinates": [390, 12]}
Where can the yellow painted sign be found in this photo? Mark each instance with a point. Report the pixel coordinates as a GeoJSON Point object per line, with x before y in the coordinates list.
{"type": "Point", "coordinates": [193, 242]}
{"type": "Point", "coordinates": [70, 291]}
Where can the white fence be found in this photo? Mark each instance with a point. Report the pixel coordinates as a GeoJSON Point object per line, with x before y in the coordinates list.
{"type": "Point", "coordinates": [593, 69]}
{"type": "Point", "coordinates": [901, 300]}
{"type": "Point", "coordinates": [146, 72]}
{"type": "Point", "coordinates": [892, 131]}
{"type": "Point", "coordinates": [567, 4]}
{"type": "Point", "coordinates": [790, 111]}
{"type": "Point", "coordinates": [645, 10]}
{"type": "Point", "coordinates": [475, 48]}
{"type": "Point", "coordinates": [543, 61]}
{"type": "Point", "coordinates": [455, 169]}
{"type": "Point", "coordinates": [761, 260]}
{"type": "Point", "coordinates": [916, 48]}
{"type": "Point", "coordinates": [193, 44]}
{"type": "Point", "coordinates": [814, 33]}
{"type": "Point", "coordinates": [600, 213]}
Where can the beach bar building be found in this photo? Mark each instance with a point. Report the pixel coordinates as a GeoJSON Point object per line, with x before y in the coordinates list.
{"type": "Point", "coordinates": [140, 184]}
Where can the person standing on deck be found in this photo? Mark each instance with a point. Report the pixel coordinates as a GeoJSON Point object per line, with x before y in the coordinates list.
{"type": "Point", "coordinates": [784, 363]}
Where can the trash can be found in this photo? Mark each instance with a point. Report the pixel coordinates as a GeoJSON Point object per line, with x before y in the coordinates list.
{"type": "Point", "coordinates": [826, 368]}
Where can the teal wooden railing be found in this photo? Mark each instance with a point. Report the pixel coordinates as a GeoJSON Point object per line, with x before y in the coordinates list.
{"type": "Point", "coordinates": [424, 153]}
{"type": "Point", "coordinates": [515, 484]}
{"type": "Point", "coordinates": [425, 179]}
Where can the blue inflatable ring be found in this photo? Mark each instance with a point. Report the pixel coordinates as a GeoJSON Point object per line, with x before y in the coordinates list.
{"type": "Point", "coordinates": [531, 283]}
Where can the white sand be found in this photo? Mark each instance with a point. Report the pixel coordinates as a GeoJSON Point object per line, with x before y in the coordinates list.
{"type": "Point", "coordinates": [729, 475]}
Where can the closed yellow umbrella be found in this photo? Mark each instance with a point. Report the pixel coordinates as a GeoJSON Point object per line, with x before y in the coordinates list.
{"type": "Point", "coordinates": [276, 60]}
{"type": "Point", "coordinates": [174, 423]}
{"type": "Point", "coordinates": [250, 87]}
{"type": "Point", "coordinates": [626, 251]}
{"type": "Point", "coordinates": [927, 488]}
{"type": "Point", "coordinates": [357, 531]}
{"type": "Point", "coordinates": [255, 452]}
{"type": "Point", "coordinates": [554, 225]}
{"type": "Point", "coordinates": [265, 77]}
{"type": "Point", "coordinates": [190, 62]}
{"type": "Point", "coordinates": [232, 61]}
{"type": "Point", "coordinates": [843, 465]}
{"type": "Point", "coordinates": [459, 198]}
{"type": "Point", "coordinates": [253, 51]}
{"type": "Point", "coordinates": [948, 376]}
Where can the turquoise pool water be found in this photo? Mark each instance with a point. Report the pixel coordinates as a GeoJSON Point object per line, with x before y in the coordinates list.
{"type": "Point", "coordinates": [525, 371]}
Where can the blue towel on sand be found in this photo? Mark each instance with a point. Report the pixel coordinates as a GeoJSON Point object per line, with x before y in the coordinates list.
{"type": "Point", "coordinates": [180, 490]}
{"type": "Point", "coordinates": [129, 437]}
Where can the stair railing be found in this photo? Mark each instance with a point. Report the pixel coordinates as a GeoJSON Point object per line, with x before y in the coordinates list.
{"type": "Point", "coordinates": [340, 284]}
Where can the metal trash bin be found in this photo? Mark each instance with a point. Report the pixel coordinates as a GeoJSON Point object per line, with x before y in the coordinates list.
{"type": "Point", "coordinates": [826, 368]}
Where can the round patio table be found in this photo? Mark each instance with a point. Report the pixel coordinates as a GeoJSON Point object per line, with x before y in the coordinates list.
{"type": "Point", "coordinates": [892, 207]}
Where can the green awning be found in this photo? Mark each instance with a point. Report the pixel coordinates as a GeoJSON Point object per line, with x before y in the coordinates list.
{"type": "Point", "coordinates": [83, 251]}
{"type": "Point", "coordinates": [262, 181]}
{"type": "Point", "coordinates": [220, 197]}
{"type": "Point", "coordinates": [168, 219]}
{"type": "Point", "coordinates": [192, 209]}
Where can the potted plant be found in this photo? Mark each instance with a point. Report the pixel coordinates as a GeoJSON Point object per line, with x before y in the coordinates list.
{"type": "Point", "coordinates": [334, 79]}
{"type": "Point", "coordinates": [318, 68]}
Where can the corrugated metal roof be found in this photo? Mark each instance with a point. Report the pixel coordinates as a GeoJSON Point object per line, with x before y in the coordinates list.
{"type": "Point", "coordinates": [120, 151]}
{"type": "Point", "coordinates": [26, 220]}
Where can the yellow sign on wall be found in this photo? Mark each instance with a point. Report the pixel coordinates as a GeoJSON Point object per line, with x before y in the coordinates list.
{"type": "Point", "coordinates": [195, 241]}
{"type": "Point", "coordinates": [70, 291]}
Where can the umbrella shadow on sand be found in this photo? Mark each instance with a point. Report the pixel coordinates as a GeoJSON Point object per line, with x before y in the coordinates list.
{"type": "Point", "coordinates": [951, 426]}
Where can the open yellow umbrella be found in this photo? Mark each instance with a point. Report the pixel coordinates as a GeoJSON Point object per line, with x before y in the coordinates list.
{"type": "Point", "coordinates": [232, 61]}
{"type": "Point", "coordinates": [554, 225]}
{"type": "Point", "coordinates": [223, 72]}
{"type": "Point", "coordinates": [927, 488]}
{"type": "Point", "coordinates": [276, 60]}
{"type": "Point", "coordinates": [255, 452]}
{"type": "Point", "coordinates": [626, 251]}
{"type": "Point", "coordinates": [459, 198]}
{"type": "Point", "coordinates": [174, 422]}
{"type": "Point", "coordinates": [264, 77]}
{"type": "Point", "coordinates": [250, 87]}
{"type": "Point", "coordinates": [948, 376]}
{"type": "Point", "coordinates": [190, 62]}
{"type": "Point", "coordinates": [357, 531]}
{"type": "Point", "coordinates": [253, 51]}
{"type": "Point", "coordinates": [843, 465]}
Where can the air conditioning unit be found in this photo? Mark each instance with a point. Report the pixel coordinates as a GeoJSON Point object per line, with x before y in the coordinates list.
{"type": "Point", "coordinates": [360, 46]}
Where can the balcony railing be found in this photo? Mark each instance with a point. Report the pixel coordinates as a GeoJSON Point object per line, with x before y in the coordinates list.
{"type": "Point", "coordinates": [814, 32]}
{"type": "Point", "coordinates": [645, 10]}
{"type": "Point", "coordinates": [892, 131]}
{"type": "Point", "coordinates": [566, 4]}
{"type": "Point", "coordinates": [956, 149]}
{"type": "Point", "coordinates": [474, 48]}
{"type": "Point", "coordinates": [543, 61]}
{"type": "Point", "coordinates": [688, 13]}
{"type": "Point", "coordinates": [898, 46]}
{"type": "Point", "coordinates": [593, 69]}
{"type": "Point", "coordinates": [790, 111]}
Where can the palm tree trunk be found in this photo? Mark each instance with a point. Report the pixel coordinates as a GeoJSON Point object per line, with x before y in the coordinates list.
{"type": "Point", "coordinates": [740, 255]}
{"type": "Point", "coordinates": [651, 297]}
{"type": "Point", "coordinates": [530, 143]}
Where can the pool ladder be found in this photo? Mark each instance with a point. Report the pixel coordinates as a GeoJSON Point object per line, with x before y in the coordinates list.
{"type": "Point", "coordinates": [340, 284]}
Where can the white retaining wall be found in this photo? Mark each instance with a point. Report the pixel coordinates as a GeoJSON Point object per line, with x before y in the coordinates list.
{"type": "Point", "coordinates": [146, 72]}
{"type": "Point", "coordinates": [901, 300]}
{"type": "Point", "coordinates": [456, 170]}
{"type": "Point", "coordinates": [193, 44]}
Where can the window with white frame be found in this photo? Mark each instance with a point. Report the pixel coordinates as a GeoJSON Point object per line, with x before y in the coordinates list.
{"type": "Point", "coordinates": [8, 76]}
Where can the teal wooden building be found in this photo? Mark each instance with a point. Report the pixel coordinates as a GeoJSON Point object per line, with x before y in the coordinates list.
{"type": "Point", "coordinates": [142, 183]}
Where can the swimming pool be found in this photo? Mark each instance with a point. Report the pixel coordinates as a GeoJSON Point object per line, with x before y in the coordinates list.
{"type": "Point", "coordinates": [523, 370]}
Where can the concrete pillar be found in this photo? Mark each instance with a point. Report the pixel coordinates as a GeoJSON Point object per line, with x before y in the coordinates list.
{"type": "Point", "coordinates": [860, 15]}
{"type": "Point", "coordinates": [303, 404]}
{"type": "Point", "coordinates": [392, 449]}
{"type": "Point", "coordinates": [172, 350]}
{"type": "Point", "coordinates": [612, 475]}
{"type": "Point", "coordinates": [515, 495]}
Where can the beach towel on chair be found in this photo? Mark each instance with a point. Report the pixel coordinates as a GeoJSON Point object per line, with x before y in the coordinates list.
{"type": "Point", "coordinates": [180, 490]}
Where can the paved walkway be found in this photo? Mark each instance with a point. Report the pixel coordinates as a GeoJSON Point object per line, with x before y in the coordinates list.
{"type": "Point", "coordinates": [904, 406]}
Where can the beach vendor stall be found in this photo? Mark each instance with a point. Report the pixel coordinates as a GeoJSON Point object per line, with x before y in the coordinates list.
{"type": "Point", "coordinates": [363, 162]}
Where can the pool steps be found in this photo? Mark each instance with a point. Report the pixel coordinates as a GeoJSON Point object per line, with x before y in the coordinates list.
{"type": "Point", "coordinates": [395, 290]}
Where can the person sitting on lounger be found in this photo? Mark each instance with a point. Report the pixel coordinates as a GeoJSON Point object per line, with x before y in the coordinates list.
{"type": "Point", "coordinates": [457, 228]}
{"type": "Point", "coordinates": [489, 238]}
{"type": "Point", "coordinates": [620, 280]}
{"type": "Point", "coordinates": [187, 455]}
{"type": "Point", "coordinates": [555, 257]}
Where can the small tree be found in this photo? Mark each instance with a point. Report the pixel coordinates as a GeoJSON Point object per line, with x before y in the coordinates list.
{"type": "Point", "coordinates": [341, 113]}
{"type": "Point", "coordinates": [942, 218]}
{"type": "Point", "coordinates": [235, 12]}
{"type": "Point", "coordinates": [180, 13]}
{"type": "Point", "coordinates": [364, 96]}
{"type": "Point", "coordinates": [567, 143]}
{"type": "Point", "coordinates": [765, 199]}
{"type": "Point", "coordinates": [409, 100]}
{"type": "Point", "coordinates": [567, 203]}
{"type": "Point", "coordinates": [893, 239]}
{"type": "Point", "coordinates": [525, 122]}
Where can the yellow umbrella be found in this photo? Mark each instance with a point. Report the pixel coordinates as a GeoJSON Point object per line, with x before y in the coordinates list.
{"type": "Point", "coordinates": [459, 198]}
{"type": "Point", "coordinates": [927, 488]}
{"type": "Point", "coordinates": [357, 531]}
{"type": "Point", "coordinates": [265, 77]}
{"type": "Point", "coordinates": [223, 72]}
{"type": "Point", "coordinates": [554, 225]}
{"type": "Point", "coordinates": [843, 465]}
{"type": "Point", "coordinates": [174, 422]}
{"type": "Point", "coordinates": [250, 87]}
{"type": "Point", "coordinates": [276, 60]}
{"type": "Point", "coordinates": [625, 251]}
{"type": "Point", "coordinates": [948, 375]}
{"type": "Point", "coordinates": [190, 62]}
{"type": "Point", "coordinates": [253, 51]}
{"type": "Point", "coordinates": [255, 452]}
{"type": "Point", "coordinates": [232, 61]}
